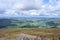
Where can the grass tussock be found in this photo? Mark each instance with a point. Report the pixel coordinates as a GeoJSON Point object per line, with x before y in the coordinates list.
{"type": "Point", "coordinates": [12, 32]}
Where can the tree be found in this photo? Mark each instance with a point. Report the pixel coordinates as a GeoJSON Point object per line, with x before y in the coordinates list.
{"type": "Point", "coordinates": [4, 23]}
{"type": "Point", "coordinates": [52, 23]}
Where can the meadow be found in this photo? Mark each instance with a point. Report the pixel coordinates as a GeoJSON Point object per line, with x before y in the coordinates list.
{"type": "Point", "coordinates": [44, 32]}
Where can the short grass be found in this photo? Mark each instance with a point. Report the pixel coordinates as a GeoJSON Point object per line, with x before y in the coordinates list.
{"type": "Point", "coordinates": [12, 32]}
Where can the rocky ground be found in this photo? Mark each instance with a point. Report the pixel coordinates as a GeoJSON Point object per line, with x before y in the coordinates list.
{"type": "Point", "coordinates": [30, 34]}
{"type": "Point", "coordinates": [22, 37]}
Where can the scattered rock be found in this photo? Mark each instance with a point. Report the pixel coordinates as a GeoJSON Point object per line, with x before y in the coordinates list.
{"type": "Point", "coordinates": [25, 37]}
{"type": "Point", "coordinates": [2, 38]}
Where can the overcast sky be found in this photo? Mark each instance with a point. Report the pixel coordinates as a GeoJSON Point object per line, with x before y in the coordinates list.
{"type": "Point", "coordinates": [30, 7]}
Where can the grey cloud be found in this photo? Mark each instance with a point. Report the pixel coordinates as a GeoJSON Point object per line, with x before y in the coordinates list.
{"type": "Point", "coordinates": [30, 8]}
{"type": "Point", "coordinates": [34, 5]}
{"type": "Point", "coordinates": [2, 11]}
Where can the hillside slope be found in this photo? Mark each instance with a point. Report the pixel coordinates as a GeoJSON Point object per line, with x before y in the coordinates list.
{"type": "Point", "coordinates": [28, 33]}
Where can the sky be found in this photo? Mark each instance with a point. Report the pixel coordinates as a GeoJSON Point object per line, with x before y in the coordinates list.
{"type": "Point", "coordinates": [30, 8]}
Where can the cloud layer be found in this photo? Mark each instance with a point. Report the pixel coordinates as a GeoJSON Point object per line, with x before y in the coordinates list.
{"type": "Point", "coordinates": [30, 7]}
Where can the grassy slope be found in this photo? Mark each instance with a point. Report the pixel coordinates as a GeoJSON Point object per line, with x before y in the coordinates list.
{"type": "Point", "coordinates": [33, 31]}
